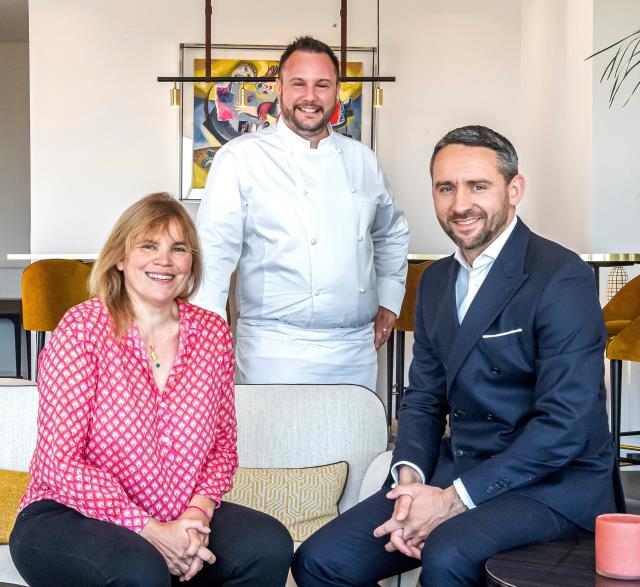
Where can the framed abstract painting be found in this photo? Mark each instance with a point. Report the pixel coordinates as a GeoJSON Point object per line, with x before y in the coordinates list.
{"type": "Point", "coordinates": [213, 113]}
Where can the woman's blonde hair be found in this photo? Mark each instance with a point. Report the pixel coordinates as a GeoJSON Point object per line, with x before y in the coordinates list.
{"type": "Point", "coordinates": [150, 214]}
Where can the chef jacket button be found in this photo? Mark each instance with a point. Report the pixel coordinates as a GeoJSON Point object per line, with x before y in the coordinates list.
{"type": "Point", "coordinates": [316, 292]}
{"type": "Point", "coordinates": [361, 290]}
{"type": "Point", "coordinates": [458, 453]}
{"type": "Point", "coordinates": [339, 149]}
{"type": "Point", "coordinates": [313, 241]}
{"type": "Point", "coordinates": [494, 370]}
{"type": "Point", "coordinates": [304, 192]}
{"type": "Point", "coordinates": [489, 417]}
{"type": "Point", "coordinates": [353, 190]}
{"type": "Point", "coordinates": [360, 237]}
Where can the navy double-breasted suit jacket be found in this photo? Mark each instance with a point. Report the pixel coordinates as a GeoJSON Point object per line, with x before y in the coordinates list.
{"type": "Point", "coordinates": [521, 379]}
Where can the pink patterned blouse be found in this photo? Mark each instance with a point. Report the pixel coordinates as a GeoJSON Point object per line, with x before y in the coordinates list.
{"type": "Point", "coordinates": [109, 444]}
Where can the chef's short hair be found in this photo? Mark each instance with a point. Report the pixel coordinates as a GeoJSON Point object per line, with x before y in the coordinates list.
{"type": "Point", "coordinates": [308, 44]}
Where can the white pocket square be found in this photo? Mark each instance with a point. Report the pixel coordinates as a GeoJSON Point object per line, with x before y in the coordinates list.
{"type": "Point", "coordinates": [502, 333]}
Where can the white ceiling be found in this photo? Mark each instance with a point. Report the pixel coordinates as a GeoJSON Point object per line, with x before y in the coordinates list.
{"type": "Point", "coordinates": [14, 21]}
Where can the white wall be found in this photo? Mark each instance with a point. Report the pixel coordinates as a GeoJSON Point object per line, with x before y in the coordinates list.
{"type": "Point", "coordinates": [102, 133]}
{"type": "Point", "coordinates": [615, 199]}
{"type": "Point", "coordinates": [555, 118]}
{"type": "Point", "coordinates": [14, 186]}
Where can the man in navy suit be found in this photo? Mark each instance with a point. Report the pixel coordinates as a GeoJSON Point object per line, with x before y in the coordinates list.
{"type": "Point", "coordinates": [509, 342]}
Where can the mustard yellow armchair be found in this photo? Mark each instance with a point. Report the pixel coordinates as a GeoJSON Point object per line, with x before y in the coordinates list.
{"type": "Point", "coordinates": [49, 288]}
{"type": "Point", "coordinates": [622, 320]}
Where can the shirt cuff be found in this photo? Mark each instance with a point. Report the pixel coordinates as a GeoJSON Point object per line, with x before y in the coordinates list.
{"type": "Point", "coordinates": [394, 471]}
{"type": "Point", "coordinates": [463, 494]}
{"type": "Point", "coordinates": [390, 294]}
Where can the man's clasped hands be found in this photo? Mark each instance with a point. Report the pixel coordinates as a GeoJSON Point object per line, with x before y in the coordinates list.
{"type": "Point", "coordinates": [419, 508]}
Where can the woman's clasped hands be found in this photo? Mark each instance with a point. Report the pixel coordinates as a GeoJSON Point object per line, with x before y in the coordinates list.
{"type": "Point", "coordinates": [182, 542]}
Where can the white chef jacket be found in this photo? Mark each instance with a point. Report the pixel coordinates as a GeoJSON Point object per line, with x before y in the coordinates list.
{"type": "Point", "coordinates": [319, 245]}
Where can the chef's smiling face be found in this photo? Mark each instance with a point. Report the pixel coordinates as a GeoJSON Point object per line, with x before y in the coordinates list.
{"type": "Point", "coordinates": [308, 91]}
{"type": "Point", "coordinates": [474, 202]}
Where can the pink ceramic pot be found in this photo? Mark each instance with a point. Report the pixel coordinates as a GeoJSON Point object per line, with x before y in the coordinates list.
{"type": "Point", "coordinates": [618, 546]}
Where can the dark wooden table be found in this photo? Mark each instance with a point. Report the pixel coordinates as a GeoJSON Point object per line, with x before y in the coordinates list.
{"type": "Point", "coordinates": [553, 564]}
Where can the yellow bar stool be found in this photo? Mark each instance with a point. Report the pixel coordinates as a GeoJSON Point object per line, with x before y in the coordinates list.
{"type": "Point", "coordinates": [404, 323]}
{"type": "Point", "coordinates": [622, 320]}
{"type": "Point", "coordinates": [49, 288]}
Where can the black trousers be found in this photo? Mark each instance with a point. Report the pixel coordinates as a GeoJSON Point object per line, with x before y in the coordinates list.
{"type": "Point", "coordinates": [54, 546]}
{"type": "Point", "coordinates": [345, 552]}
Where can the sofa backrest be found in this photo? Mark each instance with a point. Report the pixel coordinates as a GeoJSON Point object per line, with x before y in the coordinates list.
{"type": "Point", "coordinates": [18, 417]}
{"type": "Point", "coordinates": [278, 426]}
{"type": "Point", "coordinates": [311, 425]}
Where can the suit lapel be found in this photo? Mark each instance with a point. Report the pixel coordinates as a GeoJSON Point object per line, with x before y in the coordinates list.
{"type": "Point", "coordinates": [504, 279]}
{"type": "Point", "coordinates": [446, 319]}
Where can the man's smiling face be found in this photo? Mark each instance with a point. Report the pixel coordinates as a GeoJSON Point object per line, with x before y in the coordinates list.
{"type": "Point", "coordinates": [473, 201]}
{"type": "Point", "coordinates": [308, 93]}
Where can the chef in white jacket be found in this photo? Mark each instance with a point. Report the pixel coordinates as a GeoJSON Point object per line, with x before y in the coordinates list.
{"type": "Point", "coordinates": [321, 248]}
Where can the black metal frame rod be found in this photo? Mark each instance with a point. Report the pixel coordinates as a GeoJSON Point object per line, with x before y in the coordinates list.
{"type": "Point", "coordinates": [371, 78]}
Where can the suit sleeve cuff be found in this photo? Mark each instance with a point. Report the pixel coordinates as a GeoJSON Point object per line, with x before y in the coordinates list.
{"type": "Point", "coordinates": [463, 494]}
{"type": "Point", "coordinates": [394, 471]}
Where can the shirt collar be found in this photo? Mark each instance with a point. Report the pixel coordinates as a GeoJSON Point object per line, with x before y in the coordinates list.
{"type": "Point", "coordinates": [294, 140]}
{"type": "Point", "coordinates": [491, 252]}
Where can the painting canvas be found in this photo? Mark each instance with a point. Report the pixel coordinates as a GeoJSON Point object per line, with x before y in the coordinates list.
{"type": "Point", "coordinates": [217, 117]}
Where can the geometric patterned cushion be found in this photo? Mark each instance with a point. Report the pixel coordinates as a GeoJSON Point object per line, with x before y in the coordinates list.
{"type": "Point", "coordinates": [304, 499]}
{"type": "Point", "coordinates": [12, 487]}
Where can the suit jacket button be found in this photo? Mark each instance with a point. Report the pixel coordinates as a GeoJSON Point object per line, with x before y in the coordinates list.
{"type": "Point", "coordinates": [489, 417]}
{"type": "Point", "coordinates": [494, 370]}
{"type": "Point", "coordinates": [457, 413]}
{"type": "Point", "coordinates": [458, 453]}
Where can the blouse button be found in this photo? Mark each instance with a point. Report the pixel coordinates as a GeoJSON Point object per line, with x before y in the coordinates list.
{"type": "Point", "coordinates": [361, 290]}
{"type": "Point", "coordinates": [313, 241]}
{"type": "Point", "coordinates": [316, 292]}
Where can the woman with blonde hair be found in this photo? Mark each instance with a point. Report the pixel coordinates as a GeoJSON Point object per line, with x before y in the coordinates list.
{"type": "Point", "coordinates": [136, 430]}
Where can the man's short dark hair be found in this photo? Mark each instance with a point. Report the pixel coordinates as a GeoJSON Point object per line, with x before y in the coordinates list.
{"type": "Point", "coordinates": [308, 44]}
{"type": "Point", "coordinates": [481, 136]}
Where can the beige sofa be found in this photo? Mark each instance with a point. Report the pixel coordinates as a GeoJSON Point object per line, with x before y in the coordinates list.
{"type": "Point", "coordinates": [278, 426]}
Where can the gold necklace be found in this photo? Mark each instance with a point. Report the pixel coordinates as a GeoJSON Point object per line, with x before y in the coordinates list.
{"type": "Point", "coordinates": [154, 357]}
